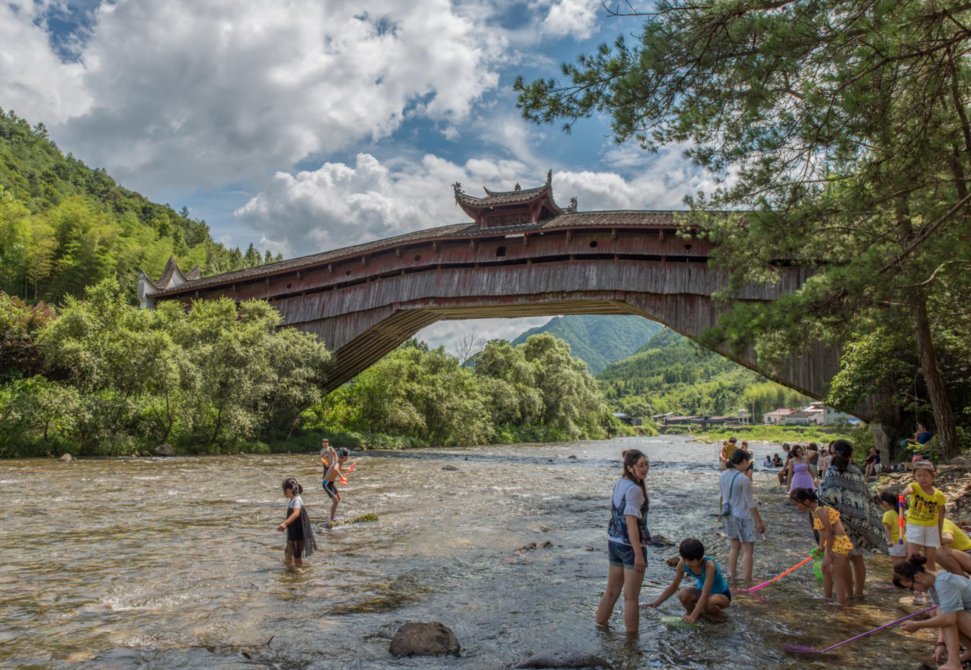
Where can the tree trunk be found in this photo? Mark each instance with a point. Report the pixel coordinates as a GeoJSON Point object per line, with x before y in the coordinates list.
{"type": "Point", "coordinates": [936, 392]}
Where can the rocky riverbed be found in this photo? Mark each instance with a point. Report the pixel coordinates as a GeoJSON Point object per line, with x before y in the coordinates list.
{"type": "Point", "coordinates": [954, 479]}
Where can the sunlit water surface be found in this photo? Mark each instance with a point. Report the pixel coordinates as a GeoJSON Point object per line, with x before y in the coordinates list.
{"type": "Point", "coordinates": [176, 563]}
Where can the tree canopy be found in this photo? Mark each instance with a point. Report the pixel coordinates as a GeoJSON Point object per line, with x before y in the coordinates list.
{"type": "Point", "coordinates": [840, 133]}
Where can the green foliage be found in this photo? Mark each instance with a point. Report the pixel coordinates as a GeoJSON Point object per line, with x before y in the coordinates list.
{"type": "Point", "coordinates": [536, 391]}
{"type": "Point", "coordinates": [214, 378]}
{"type": "Point", "coordinates": [20, 325]}
{"type": "Point", "coordinates": [64, 226]}
{"type": "Point", "coordinates": [840, 131]}
{"type": "Point", "coordinates": [598, 340]}
{"type": "Point", "coordinates": [673, 374]}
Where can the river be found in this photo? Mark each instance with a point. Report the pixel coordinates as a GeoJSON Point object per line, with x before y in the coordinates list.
{"type": "Point", "coordinates": [176, 563]}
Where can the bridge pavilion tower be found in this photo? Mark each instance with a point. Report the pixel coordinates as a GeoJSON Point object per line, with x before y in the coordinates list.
{"type": "Point", "coordinates": [500, 209]}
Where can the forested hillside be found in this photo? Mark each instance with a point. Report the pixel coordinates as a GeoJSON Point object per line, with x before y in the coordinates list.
{"type": "Point", "coordinates": [65, 226]}
{"type": "Point", "coordinates": [673, 374]}
{"type": "Point", "coordinates": [598, 339]}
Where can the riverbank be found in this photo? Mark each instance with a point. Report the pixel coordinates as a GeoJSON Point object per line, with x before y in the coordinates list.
{"type": "Point", "coordinates": [780, 434]}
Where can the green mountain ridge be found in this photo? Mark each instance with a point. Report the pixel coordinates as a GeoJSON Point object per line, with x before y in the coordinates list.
{"type": "Point", "coordinates": [598, 340]}
{"type": "Point", "coordinates": [646, 369]}
{"type": "Point", "coordinates": [65, 226]}
{"type": "Point", "coordinates": [671, 373]}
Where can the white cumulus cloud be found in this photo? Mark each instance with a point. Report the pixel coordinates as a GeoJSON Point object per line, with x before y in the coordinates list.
{"type": "Point", "coordinates": [573, 18]}
{"type": "Point", "coordinates": [201, 93]}
{"type": "Point", "coordinates": [34, 82]}
{"type": "Point", "coordinates": [339, 205]}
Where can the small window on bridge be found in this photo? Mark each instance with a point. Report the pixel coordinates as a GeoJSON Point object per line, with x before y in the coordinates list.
{"type": "Point", "coordinates": [593, 244]}
{"type": "Point", "coordinates": [347, 274]}
{"type": "Point", "coordinates": [687, 247]}
{"type": "Point", "coordinates": [500, 251]}
{"type": "Point", "coordinates": [417, 257]}
{"type": "Point", "coordinates": [289, 285]}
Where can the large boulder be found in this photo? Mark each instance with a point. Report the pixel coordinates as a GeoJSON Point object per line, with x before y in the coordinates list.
{"type": "Point", "coordinates": [164, 450]}
{"type": "Point", "coordinates": [424, 639]}
{"type": "Point", "coordinates": [66, 458]}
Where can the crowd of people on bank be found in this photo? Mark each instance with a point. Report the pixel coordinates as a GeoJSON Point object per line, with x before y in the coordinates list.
{"type": "Point", "coordinates": [930, 553]}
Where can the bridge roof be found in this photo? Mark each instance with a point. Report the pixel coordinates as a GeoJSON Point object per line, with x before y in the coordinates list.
{"type": "Point", "coordinates": [606, 219]}
{"type": "Point", "coordinates": [494, 198]}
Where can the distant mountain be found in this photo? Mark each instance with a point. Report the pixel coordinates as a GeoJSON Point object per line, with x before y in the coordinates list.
{"type": "Point", "coordinates": [668, 359]}
{"type": "Point", "coordinates": [671, 373]}
{"type": "Point", "coordinates": [599, 339]}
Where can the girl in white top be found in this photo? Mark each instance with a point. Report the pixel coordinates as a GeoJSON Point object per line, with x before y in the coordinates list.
{"type": "Point", "coordinates": [627, 538]}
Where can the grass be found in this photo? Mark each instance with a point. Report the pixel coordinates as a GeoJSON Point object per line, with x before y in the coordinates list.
{"type": "Point", "coordinates": [792, 434]}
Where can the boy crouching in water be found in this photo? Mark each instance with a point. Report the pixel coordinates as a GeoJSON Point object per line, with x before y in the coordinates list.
{"type": "Point", "coordinates": [710, 595]}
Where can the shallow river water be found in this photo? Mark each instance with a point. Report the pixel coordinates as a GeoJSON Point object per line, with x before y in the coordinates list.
{"type": "Point", "coordinates": [176, 563]}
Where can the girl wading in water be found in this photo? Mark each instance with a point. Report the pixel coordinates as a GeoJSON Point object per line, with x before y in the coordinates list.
{"type": "Point", "coordinates": [300, 534]}
{"type": "Point", "coordinates": [627, 538]}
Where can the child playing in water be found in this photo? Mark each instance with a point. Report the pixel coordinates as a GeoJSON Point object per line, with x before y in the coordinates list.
{"type": "Point", "coordinates": [709, 596]}
{"type": "Point", "coordinates": [327, 456]}
{"type": "Point", "coordinates": [891, 527]}
{"type": "Point", "coordinates": [925, 515]}
{"type": "Point", "coordinates": [300, 534]}
{"type": "Point", "coordinates": [332, 476]}
{"type": "Point", "coordinates": [832, 539]}
{"type": "Point", "coordinates": [627, 538]}
{"type": "Point", "coordinates": [952, 594]}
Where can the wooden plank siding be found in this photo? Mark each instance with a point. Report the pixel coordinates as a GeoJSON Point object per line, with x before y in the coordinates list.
{"type": "Point", "coordinates": [364, 301]}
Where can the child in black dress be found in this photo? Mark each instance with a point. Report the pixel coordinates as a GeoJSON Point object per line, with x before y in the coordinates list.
{"type": "Point", "coordinates": [300, 534]}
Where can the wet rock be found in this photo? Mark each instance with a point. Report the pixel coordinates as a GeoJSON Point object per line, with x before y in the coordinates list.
{"type": "Point", "coordinates": [424, 639]}
{"type": "Point", "coordinates": [66, 458]}
{"type": "Point", "coordinates": [451, 468]}
{"type": "Point", "coordinates": [572, 457]}
{"type": "Point", "coordinates": [166, 450]}
{"type": "Point", "coordinates": [533, 546]}
{"type": "Point", "coordinates": [564, 660]}
{"type": "Point", "coordinates": [660, 541]}
{"type": "Point", "coordinates": [672, 561]}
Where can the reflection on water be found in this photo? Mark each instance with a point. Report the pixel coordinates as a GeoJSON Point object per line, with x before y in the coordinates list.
{"type": "Point", "coordinates": [175, 563]}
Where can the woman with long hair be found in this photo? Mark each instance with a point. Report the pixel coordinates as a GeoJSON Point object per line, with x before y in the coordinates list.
{"type": "Point", "coordinates": [627, 538]}
{"type": "Point", "coordinates": [844, 489]}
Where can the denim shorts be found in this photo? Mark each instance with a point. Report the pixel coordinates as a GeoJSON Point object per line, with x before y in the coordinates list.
{"type": "Point", "coordinates": [623, 554]}
{"type": "Point", "coordinates": [739, 528]}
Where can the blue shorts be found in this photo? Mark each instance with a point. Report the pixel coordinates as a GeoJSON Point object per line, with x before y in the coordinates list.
{"type": "Point", "coordinates": [623, 554]}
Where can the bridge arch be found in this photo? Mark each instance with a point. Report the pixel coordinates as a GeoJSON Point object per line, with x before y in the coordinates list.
{"type": "Point", "coordinates": [365, 300]}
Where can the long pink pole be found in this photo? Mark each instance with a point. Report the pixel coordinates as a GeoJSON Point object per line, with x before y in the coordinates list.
{"type": "Point", "coordinates": [759, 587]}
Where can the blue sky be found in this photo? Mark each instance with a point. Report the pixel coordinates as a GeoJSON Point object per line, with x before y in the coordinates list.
{"type": "Point", "coordinates": [306, 125]}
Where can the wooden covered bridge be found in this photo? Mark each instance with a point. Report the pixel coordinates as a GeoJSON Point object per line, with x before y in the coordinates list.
{"type": "Point", "coordinates": [522, 255]}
